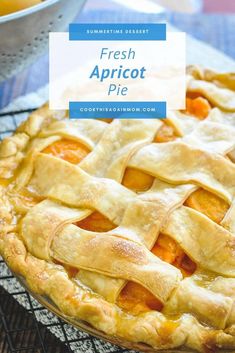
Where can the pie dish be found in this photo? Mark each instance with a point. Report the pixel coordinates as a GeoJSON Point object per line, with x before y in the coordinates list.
{"type": "Point", "coordinates": [129, 225]}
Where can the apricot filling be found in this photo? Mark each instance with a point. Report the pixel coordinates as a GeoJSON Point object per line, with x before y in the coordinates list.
{"type": "Point", "coordinates": [166, 330]}
{"type": "Point", "coordinates": [137, 180]}
{"type": "Point", "coordinates": [68, 150]}
{"type": "Point", "coordinates": [74, 152]}
{"type": "Point", "coordinates": [198, 107]}
{"type": "Point", "coordinates": [169, 251]}
{"type": "Point", "coordinates": [166, 133]}
{"type": "Point", "coordinates": [106, 120]}
{"type": "Point", "coordinates": [135, 298]}
{"type": "Point", "coordinates": [209, 204]}
{"type": "Point", "coordinates": [96, 222]}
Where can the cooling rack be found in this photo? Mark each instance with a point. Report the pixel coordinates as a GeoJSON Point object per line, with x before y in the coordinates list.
{"type": "Point", "coordinates": [25, 325]}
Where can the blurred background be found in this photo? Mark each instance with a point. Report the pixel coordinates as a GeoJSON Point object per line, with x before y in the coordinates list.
{"type": "Point", "coordinates": [219, 5]}
{"type": "Point", "coordinates": [211, 21]}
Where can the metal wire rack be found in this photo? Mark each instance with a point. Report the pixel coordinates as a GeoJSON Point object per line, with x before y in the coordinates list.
{"type": "Point", "coordinates": [19, 329]}
{"type": "Point", "coordinates": [30, 328]}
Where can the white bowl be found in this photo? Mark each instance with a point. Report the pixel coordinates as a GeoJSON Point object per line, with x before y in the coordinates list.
{"type": "Point", "coordinates": [24, 34]}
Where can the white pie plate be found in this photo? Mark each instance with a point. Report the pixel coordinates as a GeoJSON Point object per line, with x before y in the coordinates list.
{"type": "Point", "coordinates": [85, 327]}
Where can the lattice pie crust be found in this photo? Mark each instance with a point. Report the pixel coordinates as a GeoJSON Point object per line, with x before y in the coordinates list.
{"type": "Point", "coordinates": [47, 202]}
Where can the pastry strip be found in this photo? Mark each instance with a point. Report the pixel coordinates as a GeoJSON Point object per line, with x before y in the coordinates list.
{"type": "Point", "coordinates": [207, 243]}
{"type": "Point", "coordinates": [40, 224]}
{"type": "Point", "coordinates": [212, 308]}
{"type": "Point", "coordinates": [123, 259]}
{"type": "Point", "coordinates": [221, 97]}
{"type": "Point", "coordinates": [62, 181]}
{"type": "Point", "coordinates": [180, 163]}
{"type": "Point", "coordinates": [87, 131]}
{"type": "Point", "coordinates": [212, 137]}
{"type": "Point", "coordinates": [109, 159]}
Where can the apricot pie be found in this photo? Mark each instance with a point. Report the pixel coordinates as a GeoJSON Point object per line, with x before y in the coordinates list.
{"type": "Point", "coordinates": [130, 224]}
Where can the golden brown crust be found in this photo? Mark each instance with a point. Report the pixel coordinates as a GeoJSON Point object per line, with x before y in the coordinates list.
{"type": "Point", "coordinates": [214, 303]}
